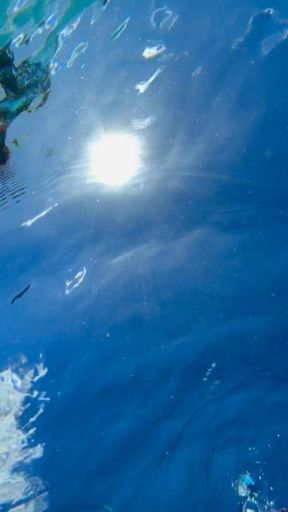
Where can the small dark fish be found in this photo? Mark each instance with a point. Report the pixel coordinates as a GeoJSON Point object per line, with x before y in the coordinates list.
{"type": "Point", "coordinates": [20, 294]}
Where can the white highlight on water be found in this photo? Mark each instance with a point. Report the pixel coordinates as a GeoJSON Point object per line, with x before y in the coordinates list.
{"type": "Point", "coordinates": [142, 87]}
{"type": "Point", "coordinates": [76, 281]}
{"type": "Point", "coordinates": [28, 223]}
{"type": "Point", "coordinates": [151, 52]}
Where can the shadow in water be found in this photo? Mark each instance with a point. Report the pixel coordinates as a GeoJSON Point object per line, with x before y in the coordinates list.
{"type": "Point", "coordinates": [12, 189]}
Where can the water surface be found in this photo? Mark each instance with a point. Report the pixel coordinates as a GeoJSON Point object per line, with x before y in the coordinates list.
{"type": "Point", "coordinates": [157, 309]}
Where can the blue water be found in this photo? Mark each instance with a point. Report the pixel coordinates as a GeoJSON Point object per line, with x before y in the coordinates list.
{"type": "Point", "coordinates": [157, 311]}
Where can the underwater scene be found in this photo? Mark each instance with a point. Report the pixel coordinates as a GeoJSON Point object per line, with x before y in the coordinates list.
{"type": "Point", "coordinates": [144, 255]}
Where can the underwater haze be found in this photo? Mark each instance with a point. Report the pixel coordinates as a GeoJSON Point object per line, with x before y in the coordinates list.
{"type": "Point", "coordinates": [144, 250]}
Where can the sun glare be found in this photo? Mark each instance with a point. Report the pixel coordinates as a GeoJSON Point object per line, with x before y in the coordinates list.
{"type": "Point", "coordinates": [114, 158]}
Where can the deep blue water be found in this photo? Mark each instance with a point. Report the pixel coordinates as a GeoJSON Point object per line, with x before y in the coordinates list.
{"type": "Point", "coordinates": [167, 362]}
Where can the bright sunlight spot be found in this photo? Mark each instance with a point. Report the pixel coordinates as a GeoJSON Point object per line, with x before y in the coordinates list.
{"type": "Point", "coordinates": [114, 158]}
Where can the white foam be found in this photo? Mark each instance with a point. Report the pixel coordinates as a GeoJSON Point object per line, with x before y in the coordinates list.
{"type": "Point", "coordinates": [16, 449]}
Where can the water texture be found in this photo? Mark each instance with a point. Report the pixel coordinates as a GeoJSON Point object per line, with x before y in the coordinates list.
{"type": "Point", "coordinates": [144, 247]}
